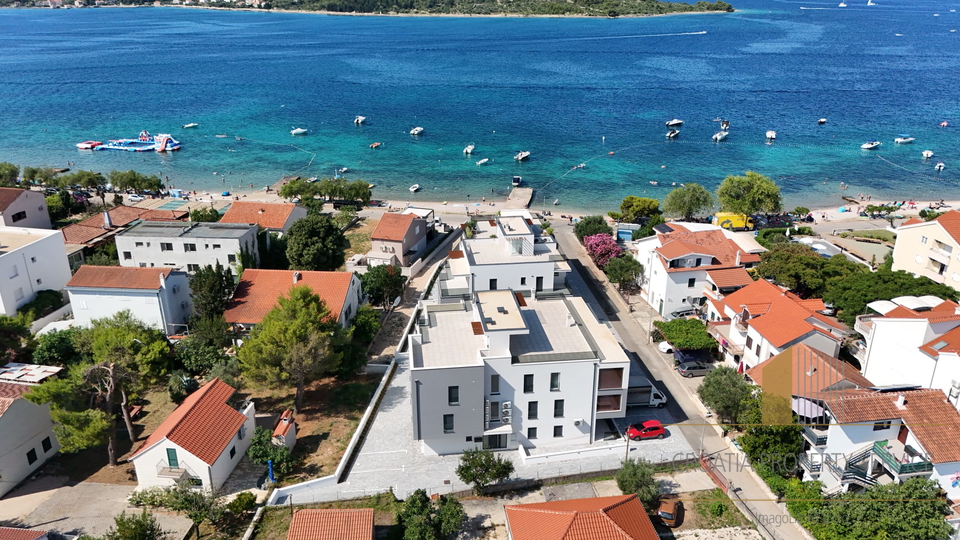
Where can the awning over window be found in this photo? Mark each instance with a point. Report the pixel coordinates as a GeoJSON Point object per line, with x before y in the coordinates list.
{"type": "Point", "coordinates": [806, 408]}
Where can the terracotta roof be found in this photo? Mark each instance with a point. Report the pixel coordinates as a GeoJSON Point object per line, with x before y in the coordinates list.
{"type": "Point", "coordinates": [730, 277]}
{"type": "Point", "coordinates": [118, 277]}
{"type": "Point", "coordinates": [674, 249]}
{"type": "Point", "coordinates": [258, 291]}
{"type": "Point", "coordinates": [8, 195]}
{"type": "Point", "coordinates": [9, 393]}
{"type": "Point", "coordinates": [601, 518]}
{"type": "Point", "coordinates": [120, 216]}
{"type": "Point", "coordinates": [339, 524]}
{"type": "Point", "coordinates": [933, 420]}
{"type": "Point", "coordinates": [712, 243]}
{"type": "Point", "coordinates": [911, 221]}
{"type": "Point", "coordinates": [266, 215]}
{"type": "Point", "coordinates": [949, 221]}
{"type": "Point", "coordinates": [203, 424]}
{"type": "Point", "coordinates": [393, 227]}
{"type": "Point", "coordinates": [943, 312]}
{"type": "Point", "coordinates": [283, 426]}
{"type": "Point", "coordinates": [947, 343]}
{"type": "Point", "coordinates": [812, 371]}
{"type": "Point", "coordinates": [11, 533]}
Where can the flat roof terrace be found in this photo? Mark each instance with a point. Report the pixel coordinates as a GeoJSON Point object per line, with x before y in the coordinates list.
{"type": "Point", "coordinates": [554, 334]}
{"type": "Point", "coordinates": [164, 229]}
{"type": "Point", "coordinates": [448, 341]}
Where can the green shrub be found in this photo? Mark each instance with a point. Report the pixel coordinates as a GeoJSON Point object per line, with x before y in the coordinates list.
{"type": "Point", "coordinates": [155, 497]}
{"type": "Point", "coordinates": [243, 503]}
{"type": "Point", "coordinates": [46, 302]}
{"type": "Point", "coordinates": [716, 508]}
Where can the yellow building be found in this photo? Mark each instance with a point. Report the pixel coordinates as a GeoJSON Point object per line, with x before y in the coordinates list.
{"type": "Point", "coordinates": [930, 248]}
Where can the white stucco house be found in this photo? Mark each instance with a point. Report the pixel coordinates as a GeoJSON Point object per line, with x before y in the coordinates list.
{"type": "Point", "coordinates": [23, 208]}
{"type": "Point", "coordinates": [503, 372]}
{"type": "Point", "coordinates": [201, 441]}
{"type": "Point", "coordinates": [31, 260]}
{"type": "Point", "coordinates": [28, 440]}
{"type": "Point", "coordinates": [158, 297]}
{"type": "Point", "coordinates": [186, 246]}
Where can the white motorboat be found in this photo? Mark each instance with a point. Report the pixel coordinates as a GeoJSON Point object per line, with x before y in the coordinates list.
{"type": "Point", "coordinates": [297, 131]}
{"type": "Point", "coordinates": [343, 170]}
{"type": "Point", "coordinates": [190, 125]}
{"type": "Point", "coordinates": [871, 145]}
{"type": "Point", "coordinates": [483, 161]}
{"type": "Point", "coordinates": [676, 122]}
{"type": "Point", "coordinates": [517, 180]}
{"type": "Point", "coordinates": [842, 4]}
{"type": "Point", "coordinates": [416, 131]}
{"type": "Point", "coordinates": [927, 154]}
{"type": "Point", "coordinates": [469, 149]}
{"type": "Point", "coordinates": [719, 136]}
{"type": "Point", "coordinates": [359, 119]}
{"type": "Point", "coordinates": [822, 121]}
{"type": "Point", "coordinates": [672, 134]}
{"type": "Point", "coordinates": [870, 3]}
{"type": "Point", "coordinates": [556, 202]}
{"type": "Point", "coordinates": [904, 139]}
{"type": "Point", "coordinates": [939, 166]}
{"type": "Point", "coordinates": [521, 155]}
{"type": "Point", "coordinates": [414, 188]}
{"type": "Point", "coordinates": [771, 135]}
{"type": "Point", "coordinates": [724, 125]}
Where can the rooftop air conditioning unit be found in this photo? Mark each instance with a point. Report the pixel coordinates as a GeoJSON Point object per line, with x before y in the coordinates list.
{"type": "Point", "coordinates": [505, 419]}
{"type": "Point", "coordinates": [577, 422]}
{"type": "Point", "coordinates": [506, 407]}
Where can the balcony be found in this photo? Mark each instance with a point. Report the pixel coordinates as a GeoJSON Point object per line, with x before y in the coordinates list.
{"type": "Point", "coordinates": [859, 351]}
{"type": "Point", "coordinates": [608, 404]}
{"type": "Point", "coordinates": [181, 471]}
{"type": "Point", "coordinates": [812, 467]}
{"type": "Point", "coordinates": [721, 332]}
{"type": "Point", "coordinates": [940, 255]}
{"type": "Point", "coordinates": [901, 459]}
{"type": "Point", "coordinates": [610, 379]}
{"type": "Point", "coordinates": [816, 436]}
{"type": "Point", "coordinates": [864, 324]}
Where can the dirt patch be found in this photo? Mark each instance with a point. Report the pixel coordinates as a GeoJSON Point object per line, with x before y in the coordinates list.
{"type": "Point", "coordinates": [276, 521]}
{"type": "Point", "coordinates": [358, 237]}
{"type": "Point", "coordinates": [708, 509]}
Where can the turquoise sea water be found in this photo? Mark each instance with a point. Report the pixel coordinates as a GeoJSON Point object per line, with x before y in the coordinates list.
{"type": "Point", "coordinates": [568, 90]}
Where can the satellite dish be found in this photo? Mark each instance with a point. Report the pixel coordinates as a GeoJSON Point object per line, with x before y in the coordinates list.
{"type": "Point", "coordinates": [396, 302]}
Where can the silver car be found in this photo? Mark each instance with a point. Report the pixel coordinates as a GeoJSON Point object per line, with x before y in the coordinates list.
{"type": "Point", "coordinates": [694, 369]}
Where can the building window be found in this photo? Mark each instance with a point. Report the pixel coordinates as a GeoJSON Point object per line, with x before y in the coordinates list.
{"type": "Point", "coordinates": [554, 382]}
{"type": "Point", "coordinates": [558, 408]}
{"type": "Point", "coordinates": [143, 265]}
{"type": "Point", "coordinates": [193, 267]}
{"type": "Point", "coordinates": [242, 432]}
{"type": "Point", "coordinates": [216, 246]}
{"type": "Point", "coordinates": [165, 246]}
{"type": "Point", "coordinates": [19, 216]}
{"type": "Point", "coordinates": [233, 451]}
{"type": "Point", "coordinates": [698, 261]}
{"type": "Point", "coordinates": [448, 423]}
{"type": "Point", "coordinates": [558, 431]}
{"type": "Point", "coordinates": [523, 281]}
{"type": "Point", "coordinates": [14, 272]}
{"type": "Point", "coordinates": [494, 411]}
{"type": "Point", "coordinates": [39, 281]}
{"type": "Point", "coordinates": [31, 456]}
{"type": "Point", "coordinates": [33, 259]}
{"type": "Point", "coordinates": [749, 342]}
{"type": "Point", "coordinates": [528, 384]}
{"type": "Point", "coordinates": [189, 247]}
{"type": "Point", "coordinates": [19, 294]}
{"type": "Point", "coordinates": [493, 284]}
{"type": "Point", "coordinates": [758, 350]}
{"type": "Point", "coordinates": [880, 426]}
{"type": "Point", "coordinates": [495, 384]}
{"type": "Point", "coordinates": [453, 395]}
{"type": "Point", "coordinates": [923, 239]}
{"type": "Point", "coordinates": [531, 433]}
{"type": "Point", "coordinates": [46, 444]}
{"type": "Point", "coordinates": [127, 255]}
{"type": "Point", "coordinates": [533, 410]}
{"type": "Point", "coordinates": [231, 258]}
{"type": "Point", "coordinates": [138, 244]}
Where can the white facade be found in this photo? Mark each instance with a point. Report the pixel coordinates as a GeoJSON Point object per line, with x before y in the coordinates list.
{"type": "Point", "coordinates": [496, 374]}
{"type": "Point", "coordinates": [186, 246]}
{"type": "Point", "coordinates": [27, 210]}
{"type": "Point", "coordinates": [27, 442]}
{"type": "Point", "coordinates": [165, 307]}
{"type": "Point", "coordinates": [31, 260]}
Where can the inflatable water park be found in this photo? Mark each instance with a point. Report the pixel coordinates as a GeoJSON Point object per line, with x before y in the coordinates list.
{"type": "Point", "coordinates": [161, 142]}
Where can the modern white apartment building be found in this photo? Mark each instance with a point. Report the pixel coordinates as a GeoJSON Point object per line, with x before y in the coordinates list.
{"type": "Point", "coordinates": [31, 260]}
{"type": "Point", "coordinates": [503, 371]}
{"type": "Point", "coordinates": [186, 246]}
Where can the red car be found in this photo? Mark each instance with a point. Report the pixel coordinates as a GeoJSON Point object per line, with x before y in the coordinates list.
{"type": "Point", "coordinates": [651, 429]}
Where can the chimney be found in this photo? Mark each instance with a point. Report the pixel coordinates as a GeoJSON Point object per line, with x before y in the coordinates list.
{"type": "Point", "coordinates": [956, 310]}
{"type": "Point", "coordinates": [261, 211]}
{"type": "Point", "coordinates": [811, 371]}
{"type": "Point", "coordinates": [297, 276]}
{"type": "Point", "coordinates": [901, 401]}
{"type": "Point", "coordinates": [163, 281]}
{"type": "Point", "coordinates": [738, 257]}
{"type": "Point", "coordinates": [107, 224]}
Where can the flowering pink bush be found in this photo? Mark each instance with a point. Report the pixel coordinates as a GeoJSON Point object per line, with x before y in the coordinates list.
{"type": "Point", "coordinates": [602, 248]}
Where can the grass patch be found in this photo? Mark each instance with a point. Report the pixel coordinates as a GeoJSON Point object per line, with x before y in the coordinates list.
{"type": "Point", "coordinates": [276, 521]}
{"type": "Point", "coordinates": [358, 237]}
{"type": "Point", "coordinates": [716, 511]}
{"type": "Point", "coordinates": [886, 236]}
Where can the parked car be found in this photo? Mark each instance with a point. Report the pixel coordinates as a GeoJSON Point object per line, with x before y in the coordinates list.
{"type": "Point", "coordinates": [671, 512]}
{"type": "Point", "coordinates": [135, 198]}
{"type": "Point", "coordinates": [682, 313]}
{"type": "Point", "coordinates": [651, 429]}
{"type": "Point", "coordinates": [703, 356]}
{"type": "Point", "coordinates": [694, 369]}
{"type": "Point", "coordinates": [665, 347]}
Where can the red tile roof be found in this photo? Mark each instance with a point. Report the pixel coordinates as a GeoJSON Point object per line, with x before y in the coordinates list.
{"type": "Point", "coordinates": [933, 420]}
{"type": "Point", "coordinates": [947, 343]}
{"type": "Point", "coordinates": [949, 221]}
{"type": "Point", "coordinates": [340, 524]}
{"type": "Point", "coordinates": [601, 518]}
{"type": "Point", "coordinates": [393, 227]}
{"type": "Point", "coordinates": [8, 195]}
{"type": "Point", "coordinates": [812, 371]}
{"type": "Point", "coordinates": [118, 277]}
{"type": "Point", "coordinates": [204, 424]}
{"type": "Point", "coordinates": [11, 533]}
{"type": "Point", "coordinates": [258, 291]}
{"type": "Point", "coordinates": [284, 423]}
{"type": "Point", "coordinates": [93, 227]}
{"type": "Point", "coordinates": [266, 215]}
{"type": "Point", "coordinates": [943, 312]}
{"type": "Point", "coordinates": [730, 277]}
{"type": "Point", "coordinates": [712, 243]}
{"type": "Point", "coordinates": [9, 393]}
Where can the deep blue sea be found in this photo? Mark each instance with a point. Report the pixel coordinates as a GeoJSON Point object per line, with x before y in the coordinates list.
{"type": "Point", "coordinates": [568, 90]}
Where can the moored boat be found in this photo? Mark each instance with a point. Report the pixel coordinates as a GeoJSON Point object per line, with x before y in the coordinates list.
{"type": "Point", "coordinates": [521, 155]}
{"type": "Point", "coordinates": [190, 125]}
{"type": "Point", "coordinates": [676, 122]}
{"type": "Point", "coordinates": [88, 145]}
{"type": "Point", "coordinates": [482, 161]}
{"type": "Point", "coordinates": [672, 134]}
{"type": "Point", "coordinates": [375, 145]}
{"type": "Point", "coordinates": [719, 136]}
{"type": "Point", "coordinates": [771, 135]}
{"type": "Point", "coordinates": [944, 123]}
{"type": "Point", "coordinates": [297, 131]}
{"type": "Point", "coordinates": [469, 149]}
{"type": "Point", "coordinates": [359, 120]}
{"type": "Point", "coordinates": [517, 180]}
{"type": "Point", "coordinates": [939, 166]}
{"type": "Point", "coordinates": [927, 154]}
{"type": "Point", "coordinates": [904, 139]}
{"type": "Point", "coordinates": [416, 131]}
{"type": "Point", "coordinates": [871, 145]}
{"type": "Point", "coordinates": [822, 121]}
{"type": "Point", "coordinates": [414, 188]}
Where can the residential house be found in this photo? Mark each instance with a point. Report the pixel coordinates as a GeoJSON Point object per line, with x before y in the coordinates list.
{"type": "Point", "coordinates": [809, 371]}
{"type": "Point", "coordinates": [761, 320]}
{"type": "Point", "coordinates": [272, 217]}
{"type": "Point", "coordinates": [285, 431]}
{"type": "Point", "coordinates": [202, 440]}
{"type": "Point", "coordinates": [913, 341]}
{"type": "Point", "coordinates": [332, 524]}
{"type": "Point", "coordinates": [28, 440]}
{"type": "Point", "coordinates": [930, 248]}
{"type": "Point", "coordinates": [620, 517]}
{"type": "Point", "coordinates": [186, 246]}
{"type": "Point", "coordinates": [98, 230]}
{"type": "Point", "coordinates": [258, 291]}
{"type": "Point", "coordinates": [510, 251]}
{"type": "Point", "coordinates": [31, 260]}
{"type": "Point", "coordinates": [502, 372]}
{"type": "Point", "coordinates": [158, 297]}
{"type": "Point", "coordinates": [23, 208]}
{"type": "Point", "coordinates": [398, 240]}
{"type": "Point", "coordinates": [686, 263]}
{"type": "Point", "coordinates": [13, 533]}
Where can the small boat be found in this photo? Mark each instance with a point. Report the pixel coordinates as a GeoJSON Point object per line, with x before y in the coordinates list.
{"type": "Point", "coordinates": [371, 186]}
{"type": "Point", "coordinates": [516, 181]}
{"type": "Point", "coordinates": [223, 136]}
{"type": "Point", "coordinates": [414, 188]}
{"type": "Point", "coordinates": [88, 145]}
{"type": "Point", "coordinates": [469, 149]}
{"type": "Point", "coordinates": [822, 121]}
{"type": "Point", "coordinates": [343, 170]}
{"type": "Point", "coordinates": [190, 125]}
{"type": "Point", "coordinates": [654, 183]}
{"type": "Point", "coordinates": [904, 139]}
{"type": "Point", "coordinates": [771, 135]}
{"type": "Point", "coordinates": [939, 166]}
{"type": "Point", "coordinates": [944, 124]}
{"type": "Point", "coordinates": [842, 4]}
{"type": "Point", "coordinates": [927, 154]}
{"type": "Point", "coordinates": [521, 155]}
{"type": "Point", "coordinates": [375, 145]}
{"type": "Point", "coordinates": [239, 138]}
{"type": "Point", "coordinates": [672, 134]}
{"type": "Point", "coordinates": [359, 120]}
{"type": "Point", "coordinates": [580, 166]}
{"type": "Point", "coordinates": [871, 145]}
{"type": "Point", "coordinates": [724, 125]}
{"type": "Point", "coordinates": [416, 131]}
{"type": "Point", "coordinates": [297, 131]}
{"type": "Point", "coordinates": [676, 122]}
{"type": "Point", "coordinates": [870, 3]}
{"type": "Point", "coordinates": [482, 161]}
{"type": "Point", "coordinates": [719, 136]}
{"type": "Point", "coordinates": [556, 202]}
